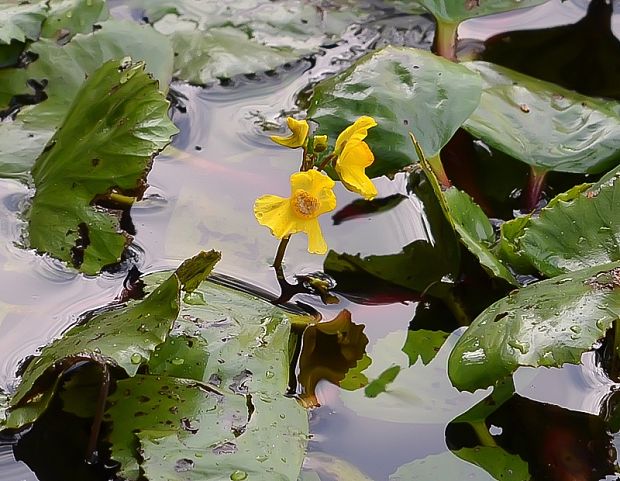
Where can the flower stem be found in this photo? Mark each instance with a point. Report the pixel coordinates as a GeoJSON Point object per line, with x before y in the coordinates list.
{"type": "Point", "coordinates": [484, 436]}
{"type": "Point", "coordinates": [536, 184]}
{"type": "Point", "coordinates": [446, 35]}
{"type": "Point", "coordinates": [277, 263]}
{"type": "Point", "coordinates": [438, 170]}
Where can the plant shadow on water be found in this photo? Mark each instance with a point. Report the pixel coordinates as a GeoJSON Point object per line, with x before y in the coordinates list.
{"type": "Point", "coordinates": [201, 191]}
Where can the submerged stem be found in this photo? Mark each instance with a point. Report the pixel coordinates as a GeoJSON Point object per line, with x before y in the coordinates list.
{"type": "Point", "coordinates": [446, 36]}
{"type": "Point", "coordinates": [484, 436]}
{"type": "Point", "coordinates": [91, 451]}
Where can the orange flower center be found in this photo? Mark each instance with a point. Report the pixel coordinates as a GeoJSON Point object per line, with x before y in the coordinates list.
{"type": "Point", "coordinates": [304, 205]}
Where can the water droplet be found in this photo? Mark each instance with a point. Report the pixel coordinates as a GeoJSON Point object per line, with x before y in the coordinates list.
{"type": "Point", "coordinates": [262, 458]}
{"type": "Point", "coordinates": [519, 346]}
{"type": "Point", "coordinates": [269, 374]}
{"type": "Point", "coordinates": [183, 465]}
{"type": "Point", "coordinates": [136, 358]}
{"type": "Point", "coordinates": [194, 298]}
{"type": "Point", "coordinates": [576, 329]}
{"type": "Point", "coordinates": [69, 14]}
{"type": "Point", "coordinates": [177, 361]}
{"type": "Point", "coordinates": [238, 475]}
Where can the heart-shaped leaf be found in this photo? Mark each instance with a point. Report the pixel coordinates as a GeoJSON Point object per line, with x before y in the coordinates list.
{"type": "Point", "coordinates": [544, 125]}
{"type": "Point", "coordinates": [403, 89]}
{"type": "Point", "coordinates": [534, 326]}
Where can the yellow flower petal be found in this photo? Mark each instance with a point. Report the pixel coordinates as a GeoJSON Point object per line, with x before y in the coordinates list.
{"type": "Point", "coordinates": [355, 133]}
{"type": "Point", "coordinates": [299, 134]}
{"type": "Point", "coordinates": [350, 167]}
{"type": "Point", "coordinates": [319, 143]}
{"type": "Point", "coordinates": [316, 241]}
{"type": "Point", "coordinates": [311, 196]}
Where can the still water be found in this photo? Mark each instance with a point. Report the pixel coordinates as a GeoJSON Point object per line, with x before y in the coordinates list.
{"type": "Point", "coordinates": [201, 195]}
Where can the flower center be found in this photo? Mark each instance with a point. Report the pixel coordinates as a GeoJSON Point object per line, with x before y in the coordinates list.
{"type": "Point", "coordinates": [304, 204]}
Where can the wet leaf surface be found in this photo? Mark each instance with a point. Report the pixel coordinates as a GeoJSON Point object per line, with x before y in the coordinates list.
{"type": "Point", "coordinates": [104, 149]}
{"type": "Point", "coordinates": [403, 89]}
{"type": "Point", "coordinates": [534, 326]}
{"type": "Point", "coordinates": [124, 337]}
{"type": "Point", "coordinates": [575, 231]}
{"type": "Point", "coordinates": [20, 21]}
{"type": "Point", "coordinates": [440, 466]}
{"type": "Point", "coordinates": [543, 124]}
{"type": "Point", "coordinates": [223, 39]}
{"type": "Point", "coordinates": [455, 11]}
{"type": "Point", "coordinates": [213, 403]}
{"type": "Point", "coordinates": [65, 18]}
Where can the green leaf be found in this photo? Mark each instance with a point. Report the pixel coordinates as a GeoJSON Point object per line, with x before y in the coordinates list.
{"type": "Point", "coordinates": [332, 467]}
{"type": "Point", "coordinates": [124, 337]}
{"type": "Point", "coordinates": [544, 125]}
{"type": "Point", "coordinates": [467, 219]}
{"type": "Point", "coordinates": [545, 324]}
{"type": "Point", "coordinates": [423, 344]}
{"type": "Point", "coordinates": [20, 21]}
{"type": "Point", "coordinates": [66, 67]}
{"type": "Point", "coordinates": [117, 123]}
{"type": "Point", "coordinates": [68, 17]}
{"type": "Point", "coordinates": [355, 377]}
{"type": "Point", "coordinates": [403, 89]}
{"type": "Point", "coordinates": [379, 385]}
{"type": "Point", "coordinates": [475, 231]}
{"type": "Point", "coordinates": [213, 401]}
{"type": "Point", "coordinates": [455, 11]}
{"type": "Point", "coordinates": [19, 147]}
{"type": "Point", "coordinates": [507, 249]}
{"type": "Point", "coordinates": [575, 231]}
{"type": "Point", "coordinates": [215, 40]}
{"type": "Point", "coordinates": [497, 462]}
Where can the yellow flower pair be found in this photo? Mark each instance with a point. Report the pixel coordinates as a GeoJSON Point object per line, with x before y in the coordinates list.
{"type": "Point", "coordinates": [311, 191]}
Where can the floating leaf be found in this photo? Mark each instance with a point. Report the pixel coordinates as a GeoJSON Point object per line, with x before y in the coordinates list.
{"type": "Point", "coordinates": [123, 337]}
{"type": "Point", "coordinates": [455, 11]}
{"type": "Point", "coordinates": [215, 40]}
{"type": "Point", "coordinates": [535, 326]}
{"type": "Point", "coordinates": [544, 125]}
{"type": "Point", "coordinates": [68, 17]}
{"type": "Point", "coordinates": [65, 68]}
{"type": "Point", "coordinates": [117, 123]}
{"type": "Point", "coordinates": [206, 418]}
{"type": "Point", "coordinates": [19, 147]}
{"type": "Point", "coordinates": [20, 21]}
{"type": "Point", "coordinates": [575, 231]}
{"type": "Point", "coordinates": [403, 89]}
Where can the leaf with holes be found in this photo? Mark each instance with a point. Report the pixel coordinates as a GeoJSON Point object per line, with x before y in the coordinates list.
{"type": "Point", "coordinates": [403, 89]}
{"type": "Point", "coordinates": [124, 337]}
{"type": "Point", "coordinates": [223, 39]}
{"type": "Point", "coordinates": [548, 323]}
{"type": "Point", "coordinates": [99, 157]}
{"type": "Point", "coordinates": [216, 405]}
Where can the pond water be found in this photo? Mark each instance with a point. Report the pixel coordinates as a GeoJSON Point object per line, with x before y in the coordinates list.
{"type": "Point", "coordinates": [201, 195]}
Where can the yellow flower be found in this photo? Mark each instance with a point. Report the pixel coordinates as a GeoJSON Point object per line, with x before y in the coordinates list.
{"type": "Point", "coordinates": [299, 134]}
{"type": "Point", "coordinates": [354, 156]}
{"type": "Point", "coordinates": [311, 196]}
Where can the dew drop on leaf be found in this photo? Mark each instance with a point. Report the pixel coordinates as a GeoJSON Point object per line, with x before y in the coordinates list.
{"type": "Point", "coordinates": [238, 475]}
